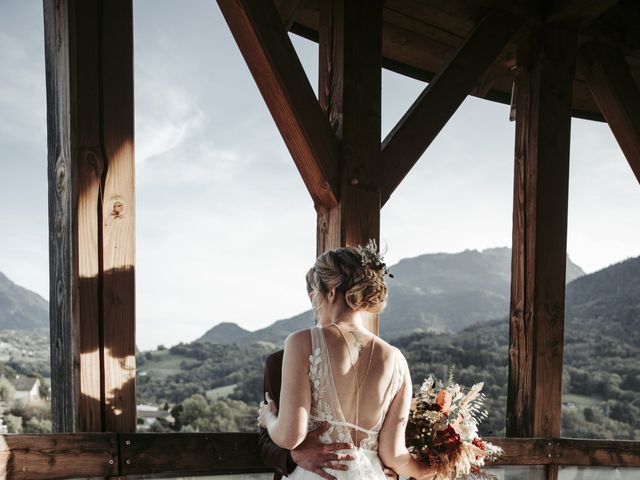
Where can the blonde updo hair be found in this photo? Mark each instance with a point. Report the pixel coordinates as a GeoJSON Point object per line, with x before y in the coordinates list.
{"type": "Point", "coordinates": [363, 286]}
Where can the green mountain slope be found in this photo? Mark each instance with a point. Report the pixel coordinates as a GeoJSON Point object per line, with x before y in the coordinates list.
{"type": "Point", "coordinates": [601, 396]}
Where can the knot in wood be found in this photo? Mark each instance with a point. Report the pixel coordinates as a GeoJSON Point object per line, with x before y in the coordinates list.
{"type": "Point", "coordinates": [59, 224]}
{"type": "Point", "coordinates": [117, 209]}
{"type": "Point", "coordinates": [59, 291]}
{"type": "Point", "coordinates": [61, 174]}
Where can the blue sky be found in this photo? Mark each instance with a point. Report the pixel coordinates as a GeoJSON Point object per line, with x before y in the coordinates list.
{"type": "Point", "coordinates": [225, 227]}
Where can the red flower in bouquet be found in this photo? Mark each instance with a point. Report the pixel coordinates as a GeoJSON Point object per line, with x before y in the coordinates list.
{"type": "Point", "coordinates": [478, 443]}
{"type": "Point", "coordinates": [451, 439]}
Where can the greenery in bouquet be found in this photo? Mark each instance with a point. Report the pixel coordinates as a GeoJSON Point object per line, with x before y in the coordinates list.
{"type": "Point", "coordinates": [443, 430]}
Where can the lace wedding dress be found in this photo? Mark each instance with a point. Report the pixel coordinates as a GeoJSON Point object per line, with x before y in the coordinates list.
{"type": "Point", "coordinates": [325, 406]}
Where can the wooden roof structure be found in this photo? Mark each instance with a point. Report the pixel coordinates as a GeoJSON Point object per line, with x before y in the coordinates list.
{"type": "Point", "coordinates": [419, 37]}
{"type": "Point", "coordinates": [549, 59]}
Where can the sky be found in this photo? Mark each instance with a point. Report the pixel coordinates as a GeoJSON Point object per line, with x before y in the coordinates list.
{"type": "Point", "coordinates": [225, 226]}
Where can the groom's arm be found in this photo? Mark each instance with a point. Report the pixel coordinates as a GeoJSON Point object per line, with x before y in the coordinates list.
{"type": "Point", "coordinates": [272, 455]}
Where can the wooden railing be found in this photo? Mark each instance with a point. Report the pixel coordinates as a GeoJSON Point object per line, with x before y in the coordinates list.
{"type": "Point", "coordinates": [110, 454]}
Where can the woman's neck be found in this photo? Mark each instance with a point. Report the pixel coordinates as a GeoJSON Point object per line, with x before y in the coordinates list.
{"type": "Point", "coordinates": [349, 320]}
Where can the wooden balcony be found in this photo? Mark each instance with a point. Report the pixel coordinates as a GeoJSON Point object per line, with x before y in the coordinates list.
{"type": "Point", "coordinates": [153, 454]}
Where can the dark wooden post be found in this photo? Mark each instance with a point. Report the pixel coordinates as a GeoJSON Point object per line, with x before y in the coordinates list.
{"type": "Point", "coordinates": [350, 94]}
{"type": "Point", "coordinates": [617, 94]}
{"type": "Point", "coordinates": [544, 79]}
{"type": "Point", "coordinates": [89, 48]}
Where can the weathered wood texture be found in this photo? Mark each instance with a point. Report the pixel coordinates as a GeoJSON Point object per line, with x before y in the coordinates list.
{"type": "Point", "coordinates": [543, 124]}
{"type": "Point", "coordinates": [413, 134]}
{"type": "Point", "coordinates": [277, 71]}
{"type": "Point", "coordinates": [350, 96]}
{"type": "Point", "coordinates": [593, 453]}
{"type": "Point", "coordinates": [118, 217]}
{"type": "Point", "coordinates": [183, 453]}
{"type": "Point", "coordinates": [52, 456]}
{"type": "Point", "coordinates": [63, 235]}
{"type": "Point", "coordinates": [89, 48]}
{"type": "Point", "coordinates": [617, 95]}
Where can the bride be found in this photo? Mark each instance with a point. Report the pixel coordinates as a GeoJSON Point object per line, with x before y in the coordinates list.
{"type": "Point", "coordinates": [339, 372]}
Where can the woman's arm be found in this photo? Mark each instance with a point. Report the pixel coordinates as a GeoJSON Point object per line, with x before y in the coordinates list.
{"type": "Point", "coordinates": [289, 428]}
{"type": "Point", "coordinates": [391, 440]}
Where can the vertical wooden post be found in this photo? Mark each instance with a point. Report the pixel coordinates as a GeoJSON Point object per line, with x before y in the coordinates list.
{"type": "Point", "coordinates": [350, 94]}
{"type": "Point", "coordinates": [544, 79]}
{"type": "Point", "coordinates": [63, 194]}
{"type": "Point", "coordinates": [88, 47]}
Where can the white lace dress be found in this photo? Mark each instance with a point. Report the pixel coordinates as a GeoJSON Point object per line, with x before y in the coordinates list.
{"type": "Point", "coordinates": [325, 406]}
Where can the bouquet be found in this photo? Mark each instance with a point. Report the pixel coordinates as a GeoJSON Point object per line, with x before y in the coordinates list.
{"type": "Point", "coordinates": [443, 430]}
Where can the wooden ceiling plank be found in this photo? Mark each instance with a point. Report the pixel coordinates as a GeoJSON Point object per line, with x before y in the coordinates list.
{"type": "Point", "coordinates": [413, 134]}
{"type": "Point", "coordinates": [617, 95]}
{"type": "Point", "coordinates": [278, 73]}
{"type": "Point", "coordinates": [578, 13]}
{"type": "Point", "coordinates": [422, 27]}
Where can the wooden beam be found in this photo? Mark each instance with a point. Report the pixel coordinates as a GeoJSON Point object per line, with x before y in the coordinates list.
{"type": "Point", "coordinates": [82, 455]}
{"type": "Point", "coordinates": [187, 453]}
{"type": "Point", "coordinates": [544, 79]}
{"type": "Point", "coordinates": [617, 94]}
{"type": "Point", "coordinates": [75, 170]}
{"type": "Point", "coordinates": [118, 217]}
{"type": "Point", "coordinates": [288, 10]}
{"type": "Point", "coordinates": [58, 456]}
{"type": "Point", "coordinates": [63, 253]}
{"type": "Point", "coordinates": [577, 13]}
{"type": "Point", "coordinates": [91, 163]}
{"type": "Point", "coordinates": [413, 134]}
{"type": "Point", "coordinates": [287, 92]}
{"type": "Point", "coordinates": [90, 131]}
{"type": "Point", "coordinates": [350, 95]}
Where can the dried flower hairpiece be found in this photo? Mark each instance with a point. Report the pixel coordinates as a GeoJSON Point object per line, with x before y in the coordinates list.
{"type": "Point", "coordinates": [371, 257]}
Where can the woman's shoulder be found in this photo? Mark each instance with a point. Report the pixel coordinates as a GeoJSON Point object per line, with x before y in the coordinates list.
{"type": "Point", "coordinates": [298, 340]}
{"type": "Point", "coordinates": [393, 354]}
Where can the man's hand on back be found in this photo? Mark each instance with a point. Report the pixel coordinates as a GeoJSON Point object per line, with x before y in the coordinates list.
{"type": "Point", "coordinates": [315, 456]}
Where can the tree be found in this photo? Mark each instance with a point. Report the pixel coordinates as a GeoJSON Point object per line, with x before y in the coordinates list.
{"type": "Point", "coordinates": [7, 391]}
{"type": "Point", "coordinates": [13, 423]}
{"type": "Point", "coordinates": [38, 425]}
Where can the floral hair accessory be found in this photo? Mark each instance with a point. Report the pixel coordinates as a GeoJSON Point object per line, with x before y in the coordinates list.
{"type": "Point", "coordinates": [371, 257]}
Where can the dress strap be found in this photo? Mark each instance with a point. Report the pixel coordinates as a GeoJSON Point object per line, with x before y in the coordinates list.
{"type": "Point", "coordinates": [355, 372]}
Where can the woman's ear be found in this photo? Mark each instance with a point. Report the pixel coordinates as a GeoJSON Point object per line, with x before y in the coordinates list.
{"type": "Point", "coordinates": [331, 295]}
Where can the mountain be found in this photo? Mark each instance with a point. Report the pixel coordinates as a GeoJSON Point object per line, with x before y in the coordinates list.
{"type": "Point", "coordinates": [21, 309]}
{"type": "Point", "coordinates": [601, 378]}
{"type": "Point", "coordinates": [438, 292]}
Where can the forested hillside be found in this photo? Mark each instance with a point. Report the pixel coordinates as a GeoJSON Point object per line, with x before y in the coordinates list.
{"type": "Point", "coordinates": [601, 375]}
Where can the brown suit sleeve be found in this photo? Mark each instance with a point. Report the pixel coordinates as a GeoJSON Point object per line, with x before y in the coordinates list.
{"type": "Point", "coordinates": [272, 455]}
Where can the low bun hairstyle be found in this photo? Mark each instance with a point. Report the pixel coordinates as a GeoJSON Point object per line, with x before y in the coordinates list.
{"type": "Point", "coordinates": [363, 286]}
